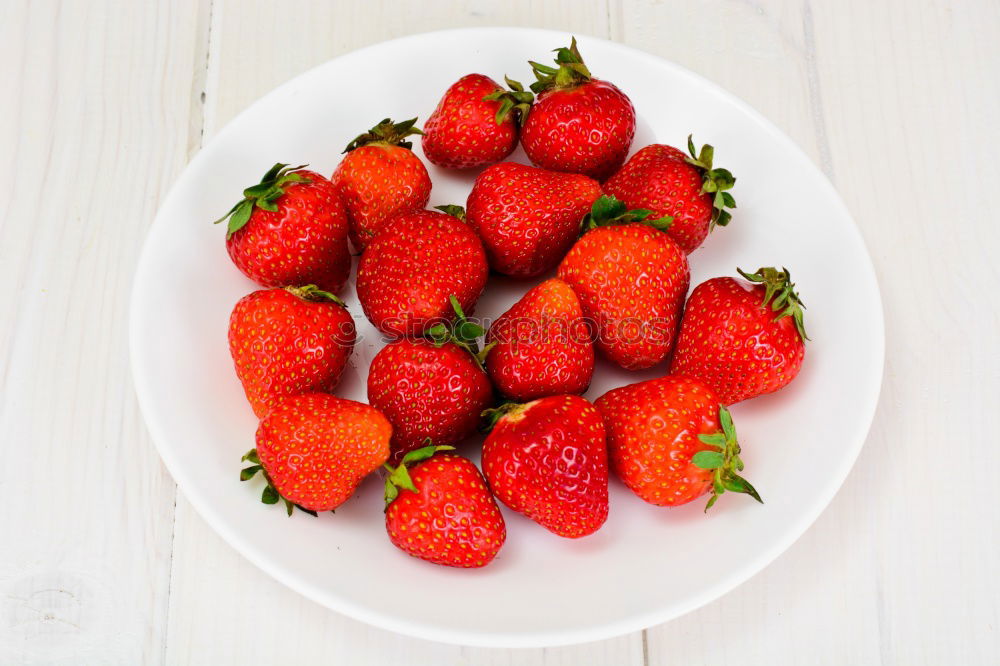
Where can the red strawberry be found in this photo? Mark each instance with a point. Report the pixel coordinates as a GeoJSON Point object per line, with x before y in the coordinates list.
{"type": "Point", "coordinates": [315, 449]}
{"type": "Point", "coordinates": [671, 441]}
{"type": "Point", "coordinates": [412, 267]}
{"type": "Point", "coordinates": [440, 510]}
{"type": "Point", "coordinates": [475, 123]}
{"type": "Point", "coordinates": [631, 279]}
{"type": "Point", "coordinates": [290, 229]}
{"type": "Point", "coordinates": [542, 345]}
{"type": "Point", "coordinates": [289, 341]}
{"type": "Point", "coordinates": [528, 217]}
{"type": "Point", "coordinates": [380, 177]}
{"type": "Point", "coordinates": [578, 124]}
{"type": "Point", "coordinates": [431, 389]}
{"type": "Point", "coordinates": [742, 339]}
{"type": "Point", "coordinates": [548, 460]}
{"type": "Point", "coordinates": [685, 188]}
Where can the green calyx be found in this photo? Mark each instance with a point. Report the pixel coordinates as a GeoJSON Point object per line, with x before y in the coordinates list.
{"type": "Point", "coordinates": [461, 332]}
{"type": "Point", "coordinates": [517, 100]}
{"type": "Point", "coordinates": [453, 210]}
{"type": "Point", "coordinates": [569, 73]}
{"type": "Point", "coordinates": [270, 494]}
{"type": "Point", "coordinates": [387, 132]}
{"type": "Point", "coordinates": [399, 476]}
{"type": "Point", "coordinates": [609, 211]}
{"type": "Point", "coordinates": [263, 195]}
{"type": "Point", "coordinates": [724, 461]}
{"type": "Point", "coordinates": [714, 182]}
{"type": "Point", "coordinates": [779, 291]}
{"type": "Point", "coordinates": [311, 292]}
{"type": "Point", "coordinates": [490, 417]}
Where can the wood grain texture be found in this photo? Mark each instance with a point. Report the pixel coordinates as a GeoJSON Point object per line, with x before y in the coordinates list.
{"type": "Point", "coordinates": [104, 102]}
{"type": "Point", "coordinates": [96, 105]}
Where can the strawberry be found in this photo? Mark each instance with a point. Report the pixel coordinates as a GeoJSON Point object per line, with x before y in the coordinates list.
{"type": "Point", "coordinates": [742, 338]}
{"type": "Point", "coordinates": [314, 450]}
{"type": "Point", "coordinates": [414, 265]}
{"type": "Point", "coordinates": [541, 346]}
{"type": "Point", "coordinates": [671, 184]}
{"type": "Point", "coordinates": [440, 510]}
{"type": "Point", "coordinates": [671, 441]}
{"type": "Point", "coordinates": [548, 460]}
{"type": "Point", "coordinates": [578, 124]}
{"type": "Point", "coordinates": [528, 217]}
{"type": "Point", "coordinates": [289, 229]}
{"type": "Point", "coordinates": [289, 341]}
{"type": "Point", "coordinates": [631, 279]}
{"type": "Point", "coordinates": [431, 388]}
{"type": "Point", "coordinates": [380, 177]}
{"type": "Point", "coordinates": [475, 123]}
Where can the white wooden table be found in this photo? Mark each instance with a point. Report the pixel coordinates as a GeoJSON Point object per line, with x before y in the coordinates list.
{"type": "Point", "coordinates": [102, 561]}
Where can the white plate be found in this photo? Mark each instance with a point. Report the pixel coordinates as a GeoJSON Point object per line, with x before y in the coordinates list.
{"type": "Point", "coordinates": [648, 564]}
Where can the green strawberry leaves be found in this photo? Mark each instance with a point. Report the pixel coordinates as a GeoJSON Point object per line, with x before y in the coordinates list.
{"type": "Point", "coordinates": [263, 195]}
{"type": "Point", "coordinates": [399, 476]}
{"type": "Point", "coordinates": [609, 210]}
{"type": "Point", "coordinates": [516, 100]}
{"type": "Point", "coordinates": [779, 291]}
{"type": "Point", "coordinates": [723, 458]}
{"type": "Point", "coordinates": [461, 332]}
{"type": "Point", "coordinates": [571, 70]}
{"type": "Point", "coordinates": [270, 494]}
{"type": "Point", "coordinates": [387, 131]}
{"type": "Point", "coordinates": [714, 182]}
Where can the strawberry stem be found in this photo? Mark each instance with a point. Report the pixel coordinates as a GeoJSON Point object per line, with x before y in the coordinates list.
{"type": "Point", "coordinates": [724, 461]}
{"type": "Point", "coordinates": [570, 72]}
{"type": "Point", "coordinates": [714, 182]}
{"type": "Point", "coordinates": [490, 417]}
{"type": "Point", "coordinates": [311, 292]}
{"type": "Point", "coordinates": [399, 476]}
{"type": "Point", "coordinates": [264, 195]}
{"type": "Point", "coordinates": [779, 291]}
{"type": "Point", "coordinates": [387, 132]}
{"type": "Point", "coordinates": [270, 494]}
{"type": "Point", "coordinates": [609, 211]}
{"type": "Point", "coordinates": [516, 100]}
{"type": "Point", "coordinates": [461, 332]}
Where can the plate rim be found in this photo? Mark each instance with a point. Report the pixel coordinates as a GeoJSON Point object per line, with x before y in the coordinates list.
{"type": "Point", "coordinates": [530, 639]}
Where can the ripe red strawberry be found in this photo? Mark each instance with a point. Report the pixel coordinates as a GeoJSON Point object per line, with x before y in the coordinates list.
{"type": "Point", "coordinates": [289, 341]}
{"type": "Point", "coordinates": [314, 450]}
{"type": "Point", "coordinates": [578, 124]}
{"type": "Point", "coordinates": [431, 388]}
{"type": "Point", "coordinates": [290, 229]}
{"type": "Point", "coordinates": [475, 123]}
{"type": "Point", "coordinates": [742, 339]}
{"type": "Point", "coordinates": [548, 460]}
{"type": "Point", "coordinates": [380, 177]}
{"type": "Point", "coordinates": [671, 441]}
{"type": "Point", "coordinates": [440, 510]}
{"type": "Point", "coordinates": [528, 217]}
{"type": "Point", "coordinates": [411, 268]}
{"type": "Point", "coordinates": [685, 188]}
{"type": "Point", "coordinates": [631, 279]}
{"type": "Point", "coordinates": [541, 346]}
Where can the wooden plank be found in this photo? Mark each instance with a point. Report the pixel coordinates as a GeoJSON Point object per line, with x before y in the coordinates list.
{"type": "Point", "coordinates": [219, 603]}
{"type": "Point", "coordinates": [95, 106]}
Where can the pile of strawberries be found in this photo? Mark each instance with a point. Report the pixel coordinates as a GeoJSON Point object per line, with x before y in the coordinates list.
{"type": "Point", "coordinates": [616, 233]}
